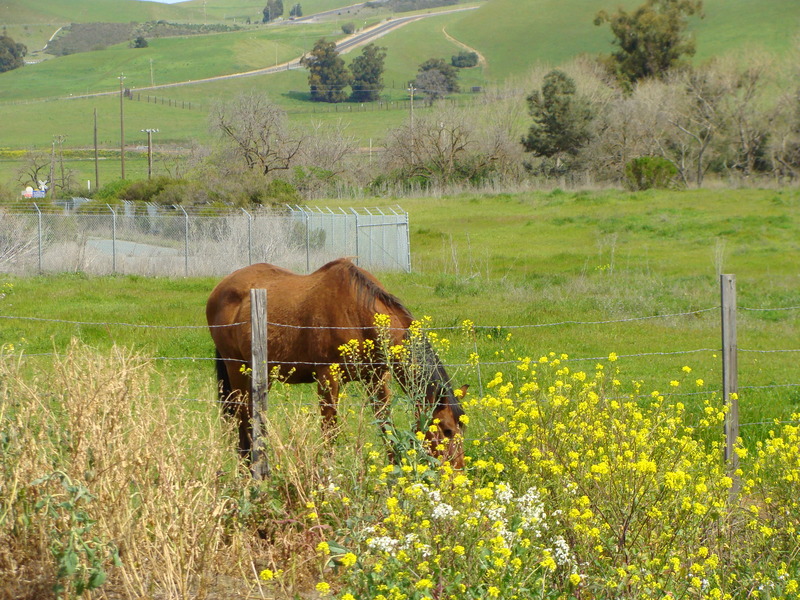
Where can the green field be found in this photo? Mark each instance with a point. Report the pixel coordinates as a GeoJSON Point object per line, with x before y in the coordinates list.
{"type": "Point", "coordinates": [516, 265]}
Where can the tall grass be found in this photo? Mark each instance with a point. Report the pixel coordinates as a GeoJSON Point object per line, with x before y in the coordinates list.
{"type": "Point", "coordinates": [111, 480]}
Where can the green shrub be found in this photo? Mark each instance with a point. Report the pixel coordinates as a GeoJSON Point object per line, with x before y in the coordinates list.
{"type": "Point", "coordinates": [464, 59]}
{"type": "Point", "coordinates": [111, 191]}
{"type": "Point", "coordinates": [647, 172]}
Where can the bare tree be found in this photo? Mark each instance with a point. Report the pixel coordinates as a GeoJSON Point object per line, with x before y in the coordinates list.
{"type": "Point", "coordinates": [784, 146]}
{"type": "Point", "coordinates": [327, 146]}
{"type": "Point", "coordinates": [257, 132]}
{"type": "Point", "coordinates": [323, 158]}
{"type": "Point", "coordinates": [35, 167]}
{"type": "Point", "coordinates": [747, 114]}
{"type": "Point", "coordinates": [432, 84]}
{"type": "Point", "coordinates": [444, 146]}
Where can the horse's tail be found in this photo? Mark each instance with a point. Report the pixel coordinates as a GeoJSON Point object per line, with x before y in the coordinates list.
{"type": "Point", "coordinates": [223, 381]}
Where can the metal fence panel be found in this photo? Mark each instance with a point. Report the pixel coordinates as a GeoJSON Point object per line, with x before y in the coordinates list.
{"type": "Point", "coordinates": [155, 240]}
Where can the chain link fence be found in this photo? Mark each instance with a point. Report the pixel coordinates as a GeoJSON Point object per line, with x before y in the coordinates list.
{"type": "Point", "coordinates": [161, 240]}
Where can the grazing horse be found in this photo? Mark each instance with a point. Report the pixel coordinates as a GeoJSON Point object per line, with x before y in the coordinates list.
{"type": "Point", "coordinates": [310, 317]}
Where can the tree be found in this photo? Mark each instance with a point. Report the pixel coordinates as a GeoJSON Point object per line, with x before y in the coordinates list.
{"type": "Point", "coordinates": [258, 132]}
{"type": "Point", "coordinates": [328, 75]}
{"type": "Point", "coordinates": [296, 11]}
{"type": "Point", "coordinates": [444, 146]}
{"type": "Point", "coordinates": [34, 169]}
{"type": "Point", "coordinates": [139, 42]}
{"type": "Point", "coordinates": [348, 28]}
{"type": "Point", "coordinates": [561, 119]}
{"type": "Point", "coordinates": [12, 54]}
{"type": "Point", "coordinates": [367, 70]}
{"type": "Point", "coordinates": [273, 10]}
{"type": "Point", "coordinates": [464, 59]}
{"type": "Point", "coordinates": [651, 40]}
{"type": "Point", "coordinates": [447, 70]}
{"type": "Point", "coordinates": [432, 84]}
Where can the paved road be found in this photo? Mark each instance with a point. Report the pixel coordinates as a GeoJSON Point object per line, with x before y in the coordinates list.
{"type": "Point", "coordinates": [343, 46]}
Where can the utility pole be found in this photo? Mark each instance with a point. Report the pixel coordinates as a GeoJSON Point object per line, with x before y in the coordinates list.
{"type": "Point", "coordinates": [57, 139]}
{"type": "Point", "coordinates": [96, 156]}
{"type": "Point", "coordinates": [412, 89]}
{"type": "Point", "coordinates": [53, 170]}
{"type": "Point", "coordinates": [150, 133]}
{"type": "Point", "coordinates": [121, 127]}
{"type": "Point", "coordinates": [152, 81]}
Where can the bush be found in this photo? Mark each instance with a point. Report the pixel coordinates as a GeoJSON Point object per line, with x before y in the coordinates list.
{"type": "Point", "coordinates": [348, 28]}
{"type": "Point", "coordinates": [145, 190]}
{"type": "Point", "coordinates": [647, 172]}
{"type": "Point", "coordinates": [111, 191]}
{"type": "Point", "coordinates": [464, 59]}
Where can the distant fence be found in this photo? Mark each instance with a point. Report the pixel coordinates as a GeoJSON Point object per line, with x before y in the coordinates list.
{"type": "Point", "coordinates": [157, 240]}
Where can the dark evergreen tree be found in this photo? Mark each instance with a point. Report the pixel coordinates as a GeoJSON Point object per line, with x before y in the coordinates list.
{"type": "Point", "coordinates": [296, 11]}
{"type": "Point", "coordinates": [367, 70]}
{"type": "Point", "coordinates": [651, 39]}
{"type": "Point", "coordinates": [328, 75]}
{"type": "Point", "coordinates": [12, 54]}
{"type": "Point", "coordinates": [273, 10]}
{"type": "Point", "coordinates": [464, 59]}
{"type": "Point", "coordinates": [561, 118]}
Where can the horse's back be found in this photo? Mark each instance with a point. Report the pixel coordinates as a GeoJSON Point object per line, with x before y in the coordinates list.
{"type": "Point", "coordinates": [303, 305]}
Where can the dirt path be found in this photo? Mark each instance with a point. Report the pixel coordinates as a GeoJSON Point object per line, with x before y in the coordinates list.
{"type": "Point", "coordinates": [481, 58]}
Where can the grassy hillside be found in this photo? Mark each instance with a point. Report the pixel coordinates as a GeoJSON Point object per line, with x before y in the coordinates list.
{"type": "Point", "coordinates": [85, 11]}
{"type": "Point", "coordinates": [514, 35]}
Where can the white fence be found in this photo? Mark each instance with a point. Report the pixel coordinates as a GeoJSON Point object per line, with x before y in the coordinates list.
{"type": "Point", "coordinates": [157, 240]}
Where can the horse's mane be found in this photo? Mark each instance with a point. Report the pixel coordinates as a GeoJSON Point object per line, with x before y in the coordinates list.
{"type": "Point", "coordinates": [370, 292]}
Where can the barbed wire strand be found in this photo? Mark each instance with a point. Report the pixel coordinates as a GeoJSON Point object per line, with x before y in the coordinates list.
{"type": "Point", "coordinates": [365, 327]}
{"type": "Point", "coordinates": [769, 308]}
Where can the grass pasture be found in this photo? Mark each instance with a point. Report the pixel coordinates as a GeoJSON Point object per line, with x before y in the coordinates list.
{"type": "Point", "coordinates": [619, 456]}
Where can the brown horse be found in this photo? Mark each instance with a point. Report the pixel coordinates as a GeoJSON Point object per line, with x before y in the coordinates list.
{"type": "Point", "coordinates": [310, 317]}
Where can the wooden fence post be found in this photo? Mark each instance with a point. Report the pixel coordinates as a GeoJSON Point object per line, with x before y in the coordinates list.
{"type": "Point", "coordinates": [258, 382]}
{"type": "Point", "coordinates": [730, 383]}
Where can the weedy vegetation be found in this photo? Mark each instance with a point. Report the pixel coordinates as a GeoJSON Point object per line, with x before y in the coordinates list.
{"type": "Point", "coordinates": [594, 448]}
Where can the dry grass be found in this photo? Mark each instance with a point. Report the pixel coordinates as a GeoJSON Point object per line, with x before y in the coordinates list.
{"type": "Point", "coordinates": [100, 457]}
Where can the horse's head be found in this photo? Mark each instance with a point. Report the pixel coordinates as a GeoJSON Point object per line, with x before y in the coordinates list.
{"type": "Point", "coordinates": [445, 436]}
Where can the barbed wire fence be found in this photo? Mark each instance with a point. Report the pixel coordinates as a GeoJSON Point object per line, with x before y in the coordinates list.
{"type": "Point", "coordinates": [728, 388]}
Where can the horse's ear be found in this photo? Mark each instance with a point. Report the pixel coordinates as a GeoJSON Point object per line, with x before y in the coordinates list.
{"type": "Point", "coordinates": [463, 390]}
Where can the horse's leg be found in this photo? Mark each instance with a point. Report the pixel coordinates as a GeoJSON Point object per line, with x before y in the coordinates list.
{"type": "Point", "coordinates": [238, 405]}
{"type": "Point", "coordinates": [328, 390]}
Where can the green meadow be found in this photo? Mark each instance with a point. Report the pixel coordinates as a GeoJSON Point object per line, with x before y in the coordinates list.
{"type": "Point", "coordinates": [585, 274]}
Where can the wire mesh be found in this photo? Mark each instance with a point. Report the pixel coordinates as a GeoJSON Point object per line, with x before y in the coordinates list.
{"type": "Point", "coordinates": [149, 239]}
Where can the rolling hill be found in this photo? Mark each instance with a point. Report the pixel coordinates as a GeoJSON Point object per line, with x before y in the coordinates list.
{"type": "Point", "coordinates": [38, 101]}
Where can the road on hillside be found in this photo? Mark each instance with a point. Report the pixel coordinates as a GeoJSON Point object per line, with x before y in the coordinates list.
{"type": "Point", "coordinates": [342, 46]}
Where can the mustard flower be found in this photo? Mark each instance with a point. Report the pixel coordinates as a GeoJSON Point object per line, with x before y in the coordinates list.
{"type": "Point", "coordinates": [323, 548]}
{"type": "Point", "coordinates": [323, 588]}
{"type": "Point", "coordinates": [349, 559]}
